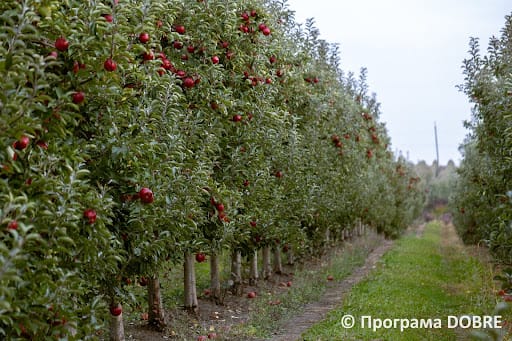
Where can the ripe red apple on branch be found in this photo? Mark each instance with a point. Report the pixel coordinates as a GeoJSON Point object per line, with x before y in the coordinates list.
{"type": "Point", "coordinates": [144, 37]}
{"type": "Point", "coordinates": [116, 310]}
{"type": "Point", "coordinates": [90, 215]}
{"type": "Point", "coordinates": [200, 257]}
{"type": "Point", "coordinates": [22, 143]}
{"type": "Point", "coordinates": [61, 44]}
{"type": "Point", "coordinates": [146, 195]}
{"type": "Point", "coordinates": [180, 29]}
{"type": "Point", "coordinates": [110, 65]}
{"type": "Point", "coordinates": [78, 97]}
{"type": "Point", "coordinates": [13, 225]}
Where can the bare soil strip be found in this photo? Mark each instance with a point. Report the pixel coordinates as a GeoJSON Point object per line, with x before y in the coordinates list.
{"type": "Point", "coordinates": [317, 311]}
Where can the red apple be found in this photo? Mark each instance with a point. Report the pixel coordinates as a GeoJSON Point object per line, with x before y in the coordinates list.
{"type": "Point", "coordinates": [289, 283]}
{"type": "Point", "coordinates": [22, 143]}
{"type": "Point", "coordinates": [245, 16]}
{"type": "Point", "coordinates": [191, 49]}
{"type": "Point", "coordinates": [237, 118]}
{"type": "Point", "coordinates": [254, 13]}
{"type": "Point", "coordinates": [212, 336]}
{"type": "Point", "coordinates": [143, 281]}
{"type": "Point", "coordinates": [246, 183]}
{"type": "Point", "coordinates": [272, 59]}
{"type": "Point", "coordinates": [166, 64]}
{"type": "Point", "coordinates": [90, 215]}
{"type": "Point", "coordinates": [224, 44]}
{"type": "Point", "coordinates": [215, 60]}
{"type": "Point", "coordinates": [188, 83]}
{"type": "Point", "coordinates": [219, 206]}
{"type": "Point", "coordinates": [53, 54]}
{"type": "Point", "coordinates": [279, 174]}
{"type": "Point", "coordinates": [202, 338]}
{"type": "Point", "coordinates": [78, 97]}
{"type": "Point", "coordinates": [108, 17]}
{"type": "Point", "coordinates": [110, 65]}
{"type": "Point", "coordinates": [262, 26]}
{"type": "Point", "coordinates": [266, 31]}
{"type": "Point", "coordinates": [61, 44]}
{"type": "Point", "coordinates": [330, 278]}
{"type": "Point", "coordinates": [146, 195]}
{"type": "Point", "coordinates": [148, 56]}
{"type": "Point", "coordinates": [13, 225]}
{"type": "Point", "coordinates": [200, 257]}
{"type": "Point", "coordinates": [253, 223]}
{"type": "Point", "coordinates": [251, 294]}
{"type": "Point", "coordinates": [180, 29]}
{"type": "Point", "coordinates": [144, 37]}
{"type": "Point", "coordinates": [178, 45]}
{"type": "Point", "coordinates": [116, 310]}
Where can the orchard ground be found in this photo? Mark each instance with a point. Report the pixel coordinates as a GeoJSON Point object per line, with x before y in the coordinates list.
{"type": "Point", "coordinates": [279, 301]}
{"type": "Point", "coordinates": [453, 279]}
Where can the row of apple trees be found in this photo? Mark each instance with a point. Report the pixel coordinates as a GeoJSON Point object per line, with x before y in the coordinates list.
{"type": "Point", "coordinates": [482, 203]}
{"type": "Point", "coordinates": [141, 133]}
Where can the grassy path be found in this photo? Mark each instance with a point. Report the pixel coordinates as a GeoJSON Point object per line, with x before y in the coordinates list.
{"type": "Point", "coordinates": [428, 276]}
{"type": "Point", "coordinates": [316, 311]}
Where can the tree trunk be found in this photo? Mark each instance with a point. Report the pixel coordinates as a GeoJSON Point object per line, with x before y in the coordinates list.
{"type": "Point", "coordinates": [215, 287]}
{"type": "Point", "coordinates": [236, 272]}
{"type": "Point", "coordinates": [327, 236]}
{"type": "Point", "coordinates": [116, 327]}
{"type": "Point", "coordinates": [190, 284]}
{"type": "Point", "coordinates": [253, 273]}
{"type": "Point", "coordinates": [278, 266]}
{"type": "Point", "coordinates": [156, 312]}
{"type": "Point", "coordinates": [267, 266]}
{"type": "Point", "coordinates": [291, 258]}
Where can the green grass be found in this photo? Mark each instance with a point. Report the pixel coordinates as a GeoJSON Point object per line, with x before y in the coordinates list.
{"type": "Point", "coordinates": [422, 278]}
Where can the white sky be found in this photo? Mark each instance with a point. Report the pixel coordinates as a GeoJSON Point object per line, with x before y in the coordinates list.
{"type": "Point", "coordinates": [413, 50]}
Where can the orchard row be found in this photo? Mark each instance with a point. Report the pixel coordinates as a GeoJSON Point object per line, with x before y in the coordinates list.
{"type": "Point", "coordinates": [482, 203]}
{"type": "Point", "coordinates": [138, 134]}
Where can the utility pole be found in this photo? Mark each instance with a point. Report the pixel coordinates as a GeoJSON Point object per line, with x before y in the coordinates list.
{"type": "Point", "coordinates": [437, 150]}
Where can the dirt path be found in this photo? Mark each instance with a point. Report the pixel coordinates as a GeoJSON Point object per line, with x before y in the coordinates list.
{"type": "Point", "coordinates": [317, 311]}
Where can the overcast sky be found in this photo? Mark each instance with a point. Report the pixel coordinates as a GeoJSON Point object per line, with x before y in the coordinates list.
{"type": "Point", "coordinates": [413, 50]}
